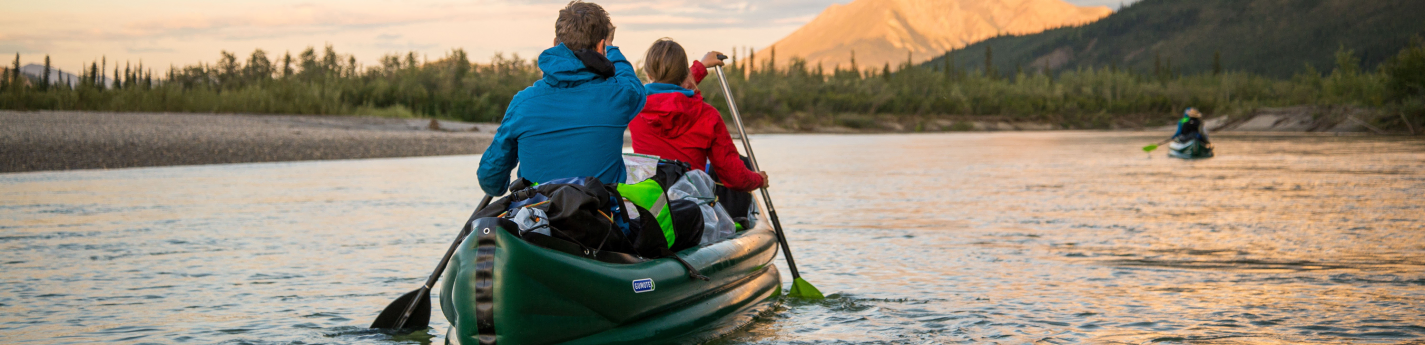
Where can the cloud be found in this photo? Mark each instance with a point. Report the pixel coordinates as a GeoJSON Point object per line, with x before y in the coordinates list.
{"type": "Point", "coordinates": [153, 30]}
{"type": "Point", "coordinates": [142, 50]}
{"type": "Point", "coordinates": [404, 47]}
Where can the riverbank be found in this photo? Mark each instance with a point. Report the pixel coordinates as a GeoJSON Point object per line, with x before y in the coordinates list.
{"type": "Point", "coordinates": [63, 140]}
{"type": "Point", "coordinates": [1331, 119]}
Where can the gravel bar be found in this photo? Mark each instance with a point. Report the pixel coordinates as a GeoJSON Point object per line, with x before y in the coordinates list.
{"type": "Point", "coordinates": [60, 140]}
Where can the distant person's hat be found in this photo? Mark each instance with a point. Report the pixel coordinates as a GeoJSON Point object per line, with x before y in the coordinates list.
{"type": "Point", "coordinates": [1193, 113]}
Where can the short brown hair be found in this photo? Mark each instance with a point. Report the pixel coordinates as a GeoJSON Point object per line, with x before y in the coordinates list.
{"type": "Point", "coordinates": [666, 62]}
{"type": "Point", "coordinates": [581, 25]}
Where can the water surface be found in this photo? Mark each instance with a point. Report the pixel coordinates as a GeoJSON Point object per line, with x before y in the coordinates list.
{"type": "Point", "coordinates": [1052, 237]}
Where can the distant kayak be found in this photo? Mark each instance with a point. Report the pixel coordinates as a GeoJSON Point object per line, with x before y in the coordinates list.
{"type": "Point", "coordinates": [1191, 149]}
{"type": "Point", "coordinates": [505, 289]}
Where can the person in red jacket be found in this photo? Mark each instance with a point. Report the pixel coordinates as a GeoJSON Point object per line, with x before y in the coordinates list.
{"type": "Point", "coordinates": [677, 124]}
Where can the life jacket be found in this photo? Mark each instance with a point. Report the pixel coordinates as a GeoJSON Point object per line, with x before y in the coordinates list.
{"type": "Point", "coordinates": [668, 225]}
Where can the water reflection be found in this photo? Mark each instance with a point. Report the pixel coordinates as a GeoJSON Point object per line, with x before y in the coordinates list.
{"type": "Point", "coordinates": [950, 238]}
{"type": "Point", "coordinates": [1078, 237]}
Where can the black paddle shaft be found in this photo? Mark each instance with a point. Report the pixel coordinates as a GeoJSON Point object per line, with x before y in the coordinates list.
{"type": "Point", "coordinates": [766, 198]}
{"type": "Point", "coordinates": [415, 299]}
{"type": "Point", "coordinates": [464, 231]}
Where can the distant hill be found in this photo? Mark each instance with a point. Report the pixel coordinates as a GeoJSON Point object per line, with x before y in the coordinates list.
{"type": "Point", "coordinates": [885, 31]}
{"type": "Point", "coordinates": [56, 76]}
{"type": "Point", "coordinates": [1270, 37]}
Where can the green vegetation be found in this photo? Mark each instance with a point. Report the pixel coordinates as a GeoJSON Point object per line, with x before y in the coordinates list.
{"type": "Point", "coordinates": [797, 97]}
{"type": "Point", "coordinates": [329, 83]}
{"type": "Point", "coordinates": [804, 97]}
{"type": "Point", "coordinates": [1275, 38]}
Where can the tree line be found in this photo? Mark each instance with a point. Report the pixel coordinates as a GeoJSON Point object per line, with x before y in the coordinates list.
{"type": "Point", "coordinates": [801, 95]}
{"type": "Point", "coordinates": [795, 96]}
{"type": "Point", "coordinates": [311, 82]}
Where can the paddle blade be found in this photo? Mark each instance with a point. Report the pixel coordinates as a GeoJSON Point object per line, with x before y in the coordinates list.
{"type": "Point", "coordinates": [802, 289]}
{"type": "Point", "coordinates": [420, 316]}
{"type": "Point", "coordinates": [1150, 148]}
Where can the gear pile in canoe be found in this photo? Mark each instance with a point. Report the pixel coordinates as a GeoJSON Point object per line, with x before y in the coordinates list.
{"type": "Point", "coordinates": [504, 288]}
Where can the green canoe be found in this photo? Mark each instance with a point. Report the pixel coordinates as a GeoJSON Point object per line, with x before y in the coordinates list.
{"type": "Point", "coordinates": [1191, 149]}
{"type": "Point", "coordinates": [502, 289]}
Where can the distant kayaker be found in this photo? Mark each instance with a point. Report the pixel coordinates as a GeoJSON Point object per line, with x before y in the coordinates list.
{"type": "Point", "coordinates": [1190, 127]}
{"type": "Point", "coordinates": [571, 122]}
{"type": "Point", "coordinates": [677, 124]}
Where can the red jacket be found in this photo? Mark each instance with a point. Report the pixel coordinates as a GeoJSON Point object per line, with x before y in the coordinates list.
{"type": "Point", "coordinates": [675, 125]}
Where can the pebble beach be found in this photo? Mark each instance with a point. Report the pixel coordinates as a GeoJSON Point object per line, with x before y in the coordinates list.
{"type": "Point", "coordinates": [64, 140]}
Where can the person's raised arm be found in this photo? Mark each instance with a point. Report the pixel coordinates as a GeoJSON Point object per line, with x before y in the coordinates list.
{"type": "Point", "coordinates": [700, 67]}
{"type": "Point", "coordinates": [727, 162]}
{"type": "Point", "coordinates": [630, 88]}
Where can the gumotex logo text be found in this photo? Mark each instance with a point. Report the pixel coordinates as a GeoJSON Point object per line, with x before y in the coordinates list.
{"type": "Point", "coordinates": [643, 285]}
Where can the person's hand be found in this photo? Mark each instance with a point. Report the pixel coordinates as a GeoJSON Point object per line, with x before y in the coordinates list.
{"type": "Point", "coordinates": [765, 181]}
{"type": "Point", "coordinates": [710, 60]}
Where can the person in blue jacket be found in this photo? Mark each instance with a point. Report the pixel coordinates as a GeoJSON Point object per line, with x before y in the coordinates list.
{"type": "Point", "coordinates": [1190, 127]}
{"type": "Point", "coordinates": [571, 122]}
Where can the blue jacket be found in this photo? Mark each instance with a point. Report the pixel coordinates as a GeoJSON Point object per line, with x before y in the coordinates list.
{"type": "Point", "coordinates": [568, 124]}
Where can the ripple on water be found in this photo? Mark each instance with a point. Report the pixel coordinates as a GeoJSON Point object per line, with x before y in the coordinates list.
{"type": "Point", "coordinates": [1057, 238]}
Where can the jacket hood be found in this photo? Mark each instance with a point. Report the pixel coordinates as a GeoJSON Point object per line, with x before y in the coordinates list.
{"type": "Point", "coordinates": [563, 69]}
{"type": "Point", "coordinates": [657, 88]}
{"type": "Point", "coordinates": [671, 112]}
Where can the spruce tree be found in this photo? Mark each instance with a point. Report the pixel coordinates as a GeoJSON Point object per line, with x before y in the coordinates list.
{"type": "Point", "coordinates": [853, 64]}
{"type": "Point", "coordinates": [286, 65]}
{"type": "Point", "coordinates": [772, 61]}
{"type": "Point", "coordinates": [45, 85]}
{"type": "Point", "coordinates": [989, 61]}
{"type": "Point", "coordinates": [15, 73]}
{"type": "Point", "coordinates": [116, 76]}
{"type": "Point", "coordinates": [946, 68]}
{"type": "Point", "coordinates": [751, 64]}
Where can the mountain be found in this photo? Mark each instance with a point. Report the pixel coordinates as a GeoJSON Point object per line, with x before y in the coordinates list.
{"type": "Point", "coordinates": [56, 76]}
{"type": "Point", "coordinates": [1269, 37]}
{"type": "Point", "coordinates": [885, 31]}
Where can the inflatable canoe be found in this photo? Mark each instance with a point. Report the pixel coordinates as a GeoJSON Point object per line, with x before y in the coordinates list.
{"type": "Point", "coordinates": [502, 289]}
{"type": "Point", "coordinates": [1191, 149]}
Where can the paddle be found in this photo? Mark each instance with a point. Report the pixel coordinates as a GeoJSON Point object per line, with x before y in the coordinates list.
{"type": "Point", "coordinates": [800, 287]}
{"type": "Point", "coordinates": [412, 310]}
{"type": "Point", "coordinates": [1152, 147]}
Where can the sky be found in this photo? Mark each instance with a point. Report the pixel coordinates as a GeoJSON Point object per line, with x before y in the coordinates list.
{"type": "Point", "coordinates": [162, 33]}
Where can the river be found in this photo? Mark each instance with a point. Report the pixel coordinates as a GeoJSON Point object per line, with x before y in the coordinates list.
{"type": "Point", "coordinates": [1018, 237]}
